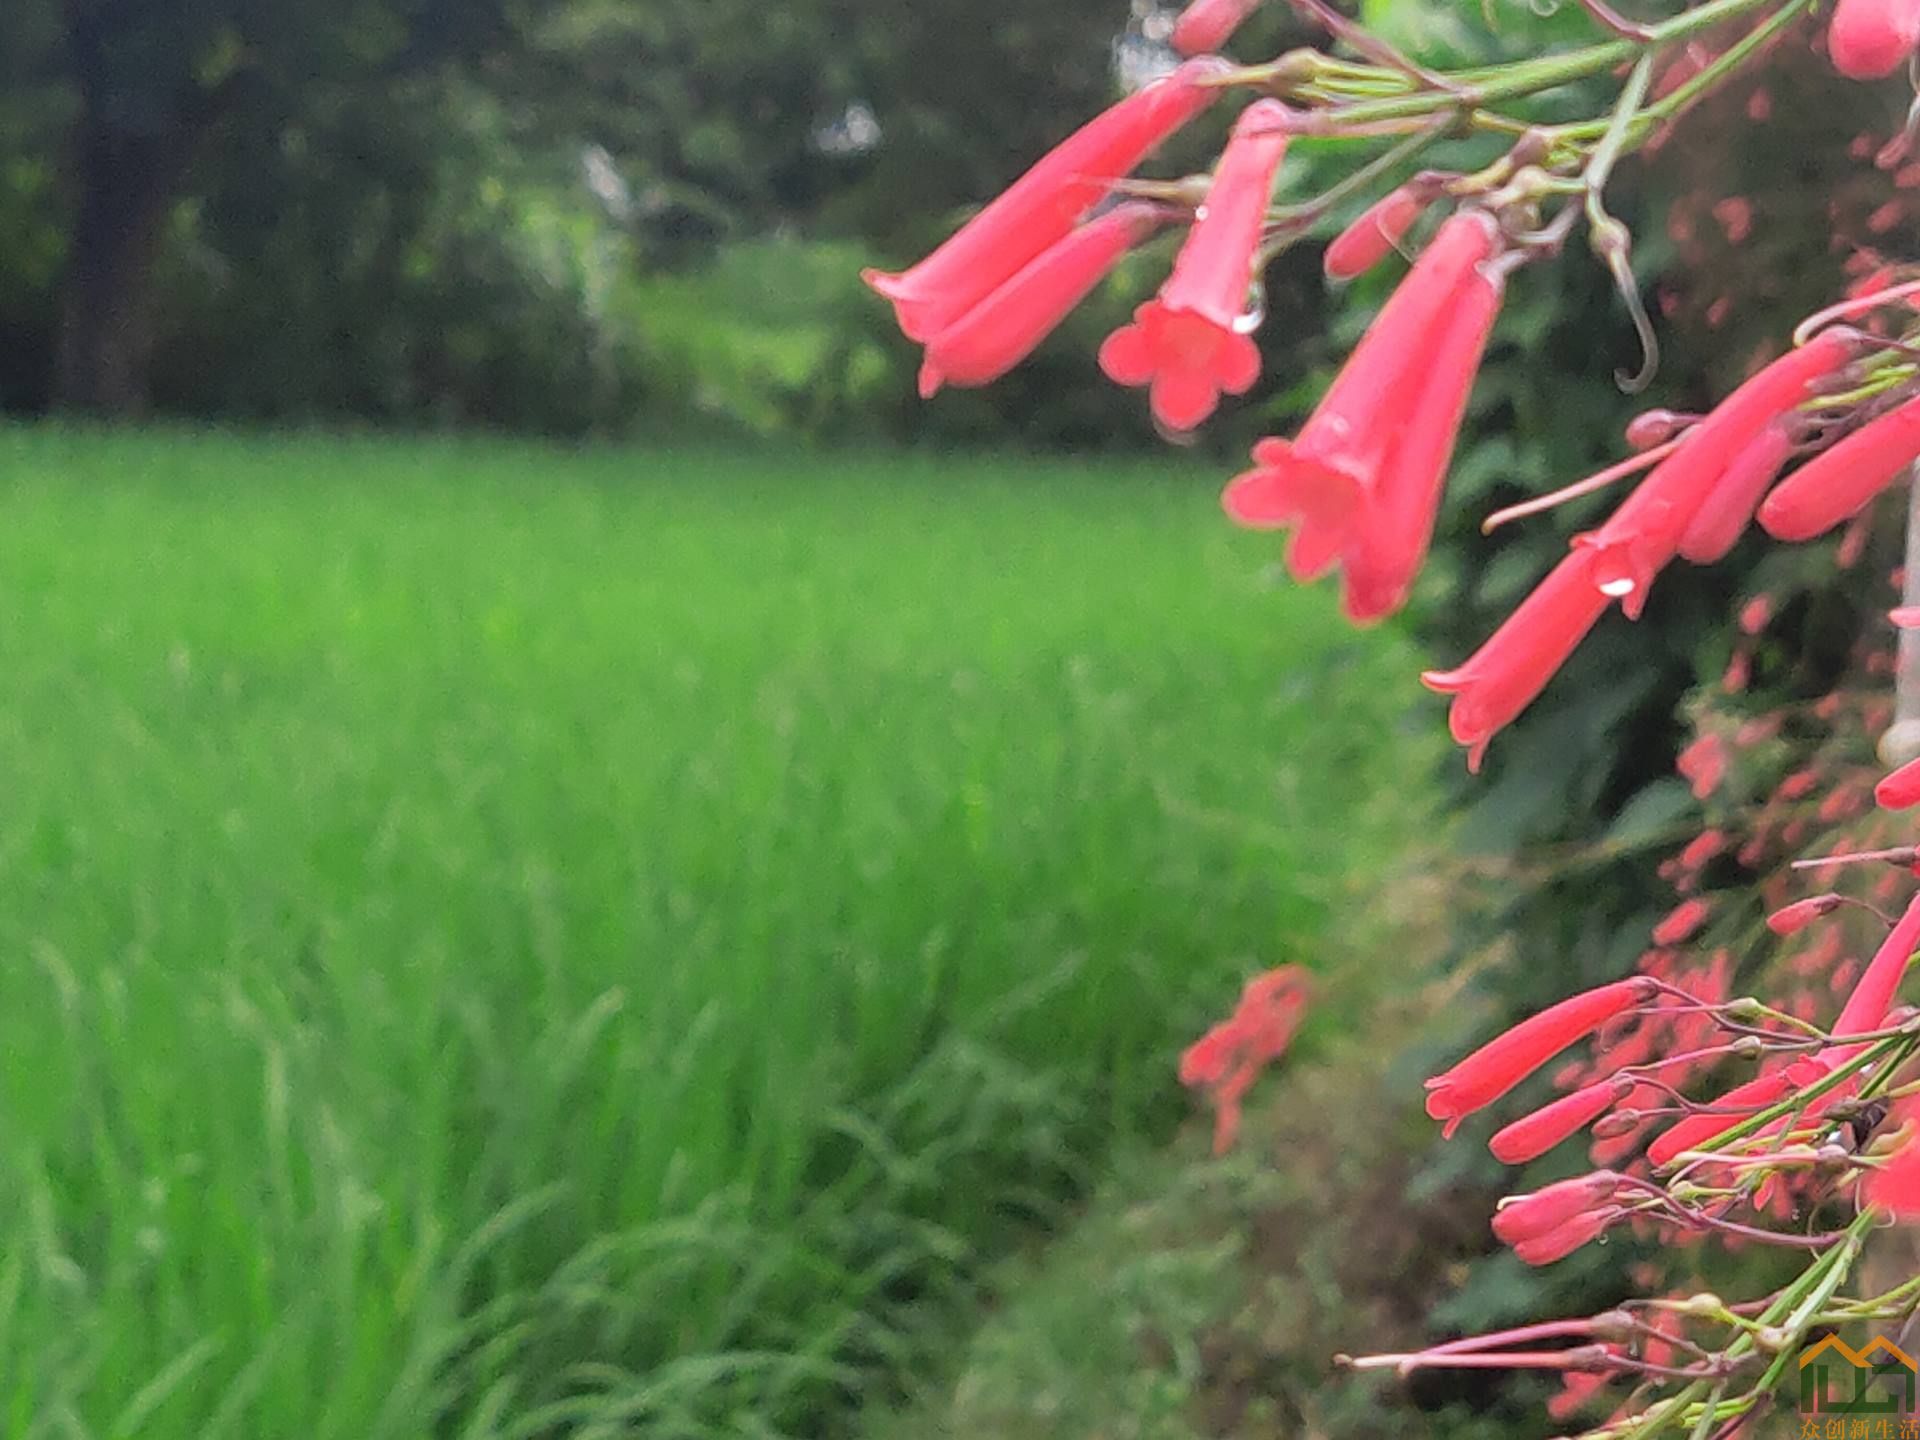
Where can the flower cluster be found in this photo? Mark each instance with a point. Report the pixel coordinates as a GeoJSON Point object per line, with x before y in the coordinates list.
{"type": "Point", "coordinates": [1708, 1114]}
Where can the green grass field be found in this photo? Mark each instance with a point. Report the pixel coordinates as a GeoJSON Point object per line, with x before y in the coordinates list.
{"type": "Point", "coordinates": [503, 942]}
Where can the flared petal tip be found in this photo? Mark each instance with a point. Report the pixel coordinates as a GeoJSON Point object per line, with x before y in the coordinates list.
{"type": "Point", "coordinates": [884, 282]}
{"type": "Point", "coordinates": [1445, 682]}
{"type": "Point", "coordinates": [930, 380]}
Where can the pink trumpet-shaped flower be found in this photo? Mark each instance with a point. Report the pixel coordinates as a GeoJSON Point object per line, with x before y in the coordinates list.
{"type": "Point", "coordinates": [1043, 205]}
{"type": "Point", "coordinates": [1899, 790]}
{"type": "Point", "coordinates": [1868, 39]}
{"type": "Point", "coordinates": [1532, 1136]}
{"type": "Point", "coordinates": [1206, 25]}
{"type": "Point", "coordinates": [1503, 676]}
{"type": "Point", "coordinates": [1644, 533]}
{"type": "Point", "coordinates": [1399, 510]}
{"type": "Point", "coordinates": [1724, 515]}
{"type": "Point", "coordinates": [1837, 483]}
{"type": "Point", "coordinates": [1318, 481]}
{"type": "Point", "coordinates": [1528, 1217]}
{"type": "Point", "coordinates": [1373, 236]}
{"type": "Point", "coordinates": [1507, 1059]}
{"type": "Point", "coordinates": [1189, 342]}
{"type": "Point", "coordinates": [1003, 329]}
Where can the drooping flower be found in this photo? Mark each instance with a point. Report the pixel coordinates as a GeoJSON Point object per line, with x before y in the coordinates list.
{"type": "Point", "coordinates": [1899, 790]}
{"type": "Point", "coordinates": [1003, 329]}
{"type": "Point", "coordinates": [1377, 231]}
{"type": "Point", "coordinates": [1317, 482]}
{"type": "Point", "coordinates": [1398, 511]}
{"type": "Point", "coordinates": [1838, 482]}
{"type": "Point", "coordinates": [1190, 344]}
{"type": "Point", "coordinates": [1527, 1217]}
{"type": "Point", "coordinates": [1722, 517]}
{"type": "Point", "coordinates": [1043, 205]}
{"type": "Point", "coordinates": [1533, 1135]}
{"type": "Point", "coordinates": [1868, 39]}
{"type": "Point", "coordinates": [1206, 25]}
{"type": "Point", "coordinates": [1503, 676]}
{"type": "Point", "coordinates": [1507, 1059]}
{"type": "Point", "coordinates": [1644, 533]}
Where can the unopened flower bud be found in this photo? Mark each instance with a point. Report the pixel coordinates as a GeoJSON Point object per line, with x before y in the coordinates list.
{"type": "Point", "coordinates": [1772, 1337]}
{"type": "Point", "coordinates": [1703, 1306]}
{"type": "Point", "coordinates": [1790, 919]}
{"type": "Point", "coordinates": [1655, 427]}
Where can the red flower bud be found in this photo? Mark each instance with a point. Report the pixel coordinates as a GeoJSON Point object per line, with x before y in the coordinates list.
{"type": "Point", "coordinates": [1369, 239]}
{"type": "Point", "coordinates": [1792, 919]}
{"type": "Point", "coordinates": [1043, 205]}
{"type": "Point", "coordinates": [1003, 329]}
{"type": "Point", "coordinates": [1838, 482]}
{"type": "Point", "coordinates": [1531, 1136]}
{"type": "Point", "coordinates": [1560, 1243]}
{"type": "Point", "coordinates": [1528, 1217]}
{"type": "Point", "coordinates": [1866, 1009]}
{"type": "Point", "coordinates": [1189, 343]}
{"type": "Point", "coordinates": [1655, 427]}
{"type": "Point", "coordinates": [1899, 790]}
{"type": "Point", "coordinates": [1681, 922]}
{"type": "Point", "coordinates": [1206, 25]}
{"type": "Point", "coordinates": [1507, 1059]}
{"type": "Point", "coordinates": [1868, 39]}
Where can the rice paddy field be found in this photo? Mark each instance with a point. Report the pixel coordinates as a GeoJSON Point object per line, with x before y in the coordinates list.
{"type": "Point", "coordinates": [508, 942]}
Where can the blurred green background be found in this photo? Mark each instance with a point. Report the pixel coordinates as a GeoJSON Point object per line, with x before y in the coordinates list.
{"type": "Point", "coordinates": [576, 862]}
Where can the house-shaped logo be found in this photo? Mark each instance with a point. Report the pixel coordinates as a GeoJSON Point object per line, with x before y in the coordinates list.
{"type": "Point", "coordinates": [1877, 1379]}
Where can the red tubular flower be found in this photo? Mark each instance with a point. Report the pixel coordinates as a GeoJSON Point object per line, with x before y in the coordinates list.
{"type": "Point", "coordinates": [1644, 533]}
{"type": "Point", "coordinates": [1837, 483]}
{"type": "Point", "coordinates": [1868, 39]}
{"type": "Point", "coordinates": [1681, 922]}
{"type": "Point", "coordinates": [1003, 329]}
{"type": "Point", "coordinates": [1560, 1243]}
{"type": "Point", "coordinates": [1528, 1217]}
{"type": "Point", "coordinates": [1895, 1187]}
{"type": "Point", "coordinates": [1507, 1059]}
{"type": "Point", "coordinates": [1503, 676]}
{"type": "Point", "coordinates": [1905, 617]}
{"type": "Point", "coordinates": [1043, 205]}
{"type": "Point", "coordinates": [1206, 25]}
{"type": "Point", "coordinates": [1866, 1008]}
{"type": "Point", "coordinates": [1189, 342]}
{"type": "Point", "coordinates": [1724, 515]}
{"type": "Point", "coordinates": [1230, 1057]}
{"type": "Point", "coordinates": [1317, 481]}
{"type": "Point", "coordinates": [1372, 237]}
{"type": "Point", "coordinates": [1755, 1094]}
{"type": "Point", "coordinates": [1398, 513]}
{"type": "Point", "coordinates": [1531, 1136]}
{"type": "Point", "coordinates": [1899, 790]}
